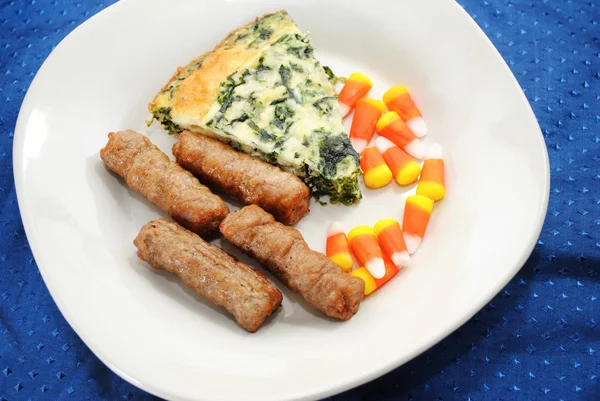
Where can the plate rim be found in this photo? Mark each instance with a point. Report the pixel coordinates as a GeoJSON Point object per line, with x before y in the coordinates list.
{"type": "Point", "coordinates": [18, 145]}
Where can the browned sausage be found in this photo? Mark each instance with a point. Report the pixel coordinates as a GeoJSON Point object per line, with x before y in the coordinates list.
{"type": "Point", "coordinates": [283, 251]}
{"type": "Point", "coordinates": [244, 177]}
{"type": "Point", "coordinates": [210, 271]}
{"type": "Point", "coordinates": [163, 182]}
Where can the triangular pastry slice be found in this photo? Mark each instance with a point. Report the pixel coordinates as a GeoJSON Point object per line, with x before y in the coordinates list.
{"type": "Point", "coordinates": [262, 91]}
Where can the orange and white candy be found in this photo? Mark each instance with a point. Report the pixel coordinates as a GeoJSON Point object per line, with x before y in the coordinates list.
{"type": "Point", "coordinates": [391, 240]}
{"type": "Point", "coordinates": [398, 99]}
{"type": "Point", "coordinates": [365, 247]}
{"type": "Point", "coordinates": [338, 247]}
{"type": "Point", "coordinates": [376, 172]}
{"type": "Point", "coordinates": [368, 112]}
{"type": "Point", "coordinates": [432, 183]}
{"type": "Point", "coordinates": [404, 169]}
{"type": "Point", "coordinates": [372, 283]}
{"type": "Point", "coordinates": [391, 126]}
{"type": "Point", "coordinates": [417, 211]}
{"type": "Point", "coordinates": [356, 87]}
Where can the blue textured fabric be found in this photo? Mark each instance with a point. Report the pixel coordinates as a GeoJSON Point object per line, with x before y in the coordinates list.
{"type": "Point", "coordinates": [538, 339]}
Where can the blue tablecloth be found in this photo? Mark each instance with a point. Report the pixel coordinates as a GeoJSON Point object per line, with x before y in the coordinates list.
{"type": "Point", "coordinates": [538, 339]}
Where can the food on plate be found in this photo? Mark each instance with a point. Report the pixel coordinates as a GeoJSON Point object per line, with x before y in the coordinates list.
{"type": "Point", "coordinates": [367, 113]}
{"type": "Point", "coordinates": [398, 99]}
{"type": "Point", "coordinates": [242, 176]}
{"type": "Point", "coordinates": [258, 118]}
{"type": "Point", "coordinates": [365, 247]}
{"type": "Point", "coordinates": [391, 240]}
{"type": "Point", "coordinates": [376, 173]}
{"type": "Point", "coordinates": [404, 169]}
{"type": "Point", "coordinates": [262, 91]}
{"type": "Point", "coordinates": [432, 182]}
{"type": "Point", "coordinates": [356, 87]}
{"type": "Point", "coordinates": [163, 182]}
{"type": "Point", "coordinates": [210, 271]}
{"type": "Point", "coordinates": [372, 283]}
{"type": "Point", "coordinates": [391, 126]}
{"type": "Point", "coordinates": [282, 250]}
{"type": "Point", "coordinates": [337, 247]}
{"type": "Point", "coordinates": [417, 212]}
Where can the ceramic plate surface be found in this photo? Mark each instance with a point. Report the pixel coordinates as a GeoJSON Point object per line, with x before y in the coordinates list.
{"type": "Point", "coordinates": [151, 330]}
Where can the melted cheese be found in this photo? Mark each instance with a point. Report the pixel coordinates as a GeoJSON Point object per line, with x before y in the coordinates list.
{"type": "Point", "coordinates": [282, 107]}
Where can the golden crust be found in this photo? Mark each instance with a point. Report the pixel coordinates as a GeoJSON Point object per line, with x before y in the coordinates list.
{"type": "Point", "coordinates": [199, 91]}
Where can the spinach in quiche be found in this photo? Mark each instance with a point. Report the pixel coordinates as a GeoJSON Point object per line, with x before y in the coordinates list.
{"type": "Point", "coordinates": [262, 91]}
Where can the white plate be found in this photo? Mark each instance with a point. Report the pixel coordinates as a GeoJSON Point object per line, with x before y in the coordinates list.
{"type": "Point", "coordinates": [81, 220]}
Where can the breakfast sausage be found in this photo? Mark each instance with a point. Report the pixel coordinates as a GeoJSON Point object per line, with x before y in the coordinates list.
{"type": "Point", "coordinates": [163, 182]}
{"type": "Point", "coordinates": [282, 250]}
{"type": "Point", "coordinates": [210, 271]}
{"type": "Point", "coordinates": [242, 176]}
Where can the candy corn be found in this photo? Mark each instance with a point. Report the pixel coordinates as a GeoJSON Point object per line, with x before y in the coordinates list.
{"type": "Point", "coordinates": [432, 182]}
{"type": "Point", "coordinates": [366, 115]}
{"type": "Point", "coordinates": [365, 247]}
{"type": "Point", "coordinates": [391, 126]}
{"type": "Point", "coordinates": [399, 100]}
{"type": "Point", "coordinates": [404, 169]}
{"type": "Point", "coordinates": [416, 217]}
{"type": "Point", "coordinates": [372, 283]}
{"type": "Point", "coordinates": [375, 172]}
{"type": "Point", "coordinates": [338, 248]}
{"type": "Point", "coordinates": [392, 242]}
{"type": "Point", "coordinates": [356, 87]}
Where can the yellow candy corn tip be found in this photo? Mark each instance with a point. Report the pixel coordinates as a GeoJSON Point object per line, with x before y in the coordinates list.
{"type": "Point", "coordinates": [386, 120]}
{"type": "Point", "coordinates": [357, 76]}
{"type": "Point", "coordinates": [360, 230]}
{"type": "Point", "coordinates": [378, 177]}
{"type": "Point", "coordinates": [421, 201]}
{"type": "Point", "coordinates": [378, 104]}
{"type": "Point", "coordinates": [393, 93]}
{"type": "Point", "coordinates": [433, 190]}
{"type": "Point", "coordinates": [383, 224]}
{"type": "Point", "coordinates": [364, 274]}
{"type": "Point", "coordinates": [343, 259]}
{"type": "Point", "coordinates": [409, 173]}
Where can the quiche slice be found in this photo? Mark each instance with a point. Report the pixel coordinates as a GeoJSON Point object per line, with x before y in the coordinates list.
{"type": "Point", "coordinates": [262, 91]}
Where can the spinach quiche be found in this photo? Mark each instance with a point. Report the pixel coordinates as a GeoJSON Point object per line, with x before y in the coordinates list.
{"type": "Point", "coordinates": [262, 91]}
